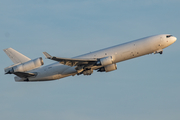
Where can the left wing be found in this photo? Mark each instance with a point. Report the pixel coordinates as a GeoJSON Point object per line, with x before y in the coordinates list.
{"type": "Point", "coordinates": [72, 61]}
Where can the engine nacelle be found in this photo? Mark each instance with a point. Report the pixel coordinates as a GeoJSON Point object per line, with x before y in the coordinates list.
{"type": "Point", "coordinates": [105, 61]}
{"type": "Point", "coordinates": [23, 67]}
{"type": "Point", "coordinates": [108, 68]}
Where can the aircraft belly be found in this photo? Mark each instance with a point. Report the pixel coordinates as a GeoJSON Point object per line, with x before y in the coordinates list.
{"type": "Point", "coordinates": [69, 71]}
{"type": "Point", "coordinates": [54, 72]}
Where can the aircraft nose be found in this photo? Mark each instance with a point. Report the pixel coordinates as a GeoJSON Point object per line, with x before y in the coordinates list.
{"type": "Point", "coordinates": [174, 39]}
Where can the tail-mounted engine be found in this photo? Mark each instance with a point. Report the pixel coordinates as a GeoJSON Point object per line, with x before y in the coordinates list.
{"type": "Point", "coordinates": [108, 68]}
{"type": "Point", "coordinates": [23, 67]}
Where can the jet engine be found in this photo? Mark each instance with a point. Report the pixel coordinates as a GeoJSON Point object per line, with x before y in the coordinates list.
{"type": "Point", "coordinates": [108, 68]}
{"type": "Point", "coordinates": [23, 67]}
{"type": "Point", "coordinates": [105, 61]}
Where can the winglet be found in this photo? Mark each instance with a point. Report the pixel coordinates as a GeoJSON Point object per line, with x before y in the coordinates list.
{"type": "Point", "coordinates": [47, 55]}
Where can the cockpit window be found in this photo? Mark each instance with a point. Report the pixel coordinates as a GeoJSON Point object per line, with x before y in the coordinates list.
{"type": "Point", "coordinates": [168, 36]}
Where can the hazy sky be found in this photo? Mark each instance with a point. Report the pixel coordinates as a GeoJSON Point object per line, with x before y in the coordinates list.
{"type": "Point", "coordinates": [144, 88]}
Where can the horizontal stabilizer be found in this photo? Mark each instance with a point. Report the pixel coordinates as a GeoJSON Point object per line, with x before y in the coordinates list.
{"type": "Point", "coordinates": [24, 75]}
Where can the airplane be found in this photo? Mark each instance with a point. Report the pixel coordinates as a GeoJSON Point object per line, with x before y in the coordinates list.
{"type": "Point", "coordinates": [104, 60]}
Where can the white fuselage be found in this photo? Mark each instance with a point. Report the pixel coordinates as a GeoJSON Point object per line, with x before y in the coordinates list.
{"type": "Point", "coordinates": [121, 52]}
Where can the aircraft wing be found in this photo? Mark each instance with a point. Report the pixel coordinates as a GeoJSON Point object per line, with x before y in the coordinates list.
{"type": "Point", "coordinates": [72, 61]}
{"type": "Point", "coordinates": [24, 75]}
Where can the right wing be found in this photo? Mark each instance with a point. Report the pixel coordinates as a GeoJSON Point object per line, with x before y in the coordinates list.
{"type": "Point", "coordinates": [72, 61]}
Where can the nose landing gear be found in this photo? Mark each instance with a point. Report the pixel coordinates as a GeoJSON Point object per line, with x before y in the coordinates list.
{"type": "Point", "coordinates": [158, 51]}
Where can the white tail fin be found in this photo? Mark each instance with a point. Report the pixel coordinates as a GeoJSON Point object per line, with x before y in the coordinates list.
{"type": "Point", "coordinates": [15, 56]}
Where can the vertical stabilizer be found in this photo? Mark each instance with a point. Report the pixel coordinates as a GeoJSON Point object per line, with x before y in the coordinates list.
{"type": "Point", "coordinates": [15, 56]}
